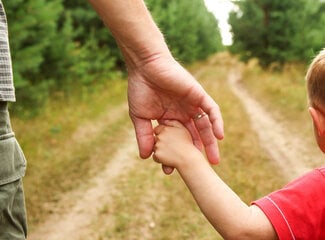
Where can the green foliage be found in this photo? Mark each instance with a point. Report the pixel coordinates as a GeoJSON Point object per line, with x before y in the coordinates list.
{"type": "Point", "coordinates": [92, 61]}
{"type": "Point", "coordinates": [31, 29]}
{"type": "Point", "coordinates": [277, 31]}
{"type": "Point", "coordinates": [32, 32]}
{"type": "Point", "coordinates": [190, 30]}
{"type": "Point", "coordinates": [60, 45]}
{"type": "Point", "coordinates": [54, 47]}
{"type": "Point", "coordinates": [90, 33]}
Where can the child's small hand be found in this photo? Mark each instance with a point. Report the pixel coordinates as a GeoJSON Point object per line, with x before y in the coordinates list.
{"type": "Point", "coordinates": [173, 144]}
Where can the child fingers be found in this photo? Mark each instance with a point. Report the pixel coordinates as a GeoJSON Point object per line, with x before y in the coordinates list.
{"type": "Point", "coordinates": [155, 158]}
{"type": "Point", "coordinates": [154, 155]}
{"type": "Point", "coordinates": [167, 170]}
{"type": "Point", "coordinates": [158, 129]}
{"type": "Point", "coordinates": [173, 123]}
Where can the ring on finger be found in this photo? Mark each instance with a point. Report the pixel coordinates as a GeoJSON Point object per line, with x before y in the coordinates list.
{"type": "Point", "coordinates": [199, 116]}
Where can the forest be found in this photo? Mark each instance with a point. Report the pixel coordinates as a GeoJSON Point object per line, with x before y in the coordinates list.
{"type": "Point", "coordinates": [59, 45]}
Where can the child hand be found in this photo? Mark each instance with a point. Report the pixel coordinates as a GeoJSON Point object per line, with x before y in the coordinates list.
{"type": "Point", "coordinates": [173, 144]}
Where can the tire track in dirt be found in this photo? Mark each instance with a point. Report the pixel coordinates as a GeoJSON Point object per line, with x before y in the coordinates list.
{"type": "Point", "coordinates": [74, 223]}
{"type": "Point", "coordinates": [289, 151]}
{"type": "Point", "coordinates": [78, 208]}
{"type": "Point", "coordinates": [74, 215]}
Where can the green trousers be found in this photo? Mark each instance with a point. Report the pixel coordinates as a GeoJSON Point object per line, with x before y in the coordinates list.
{"type": "Point", "coordinates": [13, 223]}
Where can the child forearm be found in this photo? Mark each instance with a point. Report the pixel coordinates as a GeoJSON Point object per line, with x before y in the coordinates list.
{"type": "Point", "coordinates": [229, 215]}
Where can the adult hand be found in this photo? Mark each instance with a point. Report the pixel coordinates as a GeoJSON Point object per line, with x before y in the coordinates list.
{"type": "Point", "coordinates": [159, 88]}
{"type": "Point", "coordinates": [162, 89]}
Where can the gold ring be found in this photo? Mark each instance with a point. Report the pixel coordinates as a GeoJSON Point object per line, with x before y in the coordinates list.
{"type": "Point", "coordinates": [199, 115]}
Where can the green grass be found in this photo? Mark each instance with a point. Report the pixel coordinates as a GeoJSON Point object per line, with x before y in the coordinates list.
{"type": "Point", "coordinates": [59, 161]}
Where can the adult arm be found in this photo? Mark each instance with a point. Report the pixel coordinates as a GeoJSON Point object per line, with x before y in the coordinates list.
{"type": "Point", "coordinates": [159, 87]}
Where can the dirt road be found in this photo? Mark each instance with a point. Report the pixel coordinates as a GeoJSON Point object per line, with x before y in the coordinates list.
{"type": "Point", "coordinates": [73, 223]}
{"type": "Point", "coordinates": [80, 207]}
{"type": "Point", "coordinates": [288, 150]}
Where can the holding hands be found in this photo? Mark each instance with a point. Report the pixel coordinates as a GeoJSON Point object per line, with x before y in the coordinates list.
{"type": "Point", "coordinates": [161, 90]}
{"type": "Point", "coordinates": [174, 146]}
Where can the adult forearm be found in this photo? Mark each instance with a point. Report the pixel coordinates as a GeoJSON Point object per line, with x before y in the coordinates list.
{"type": "Point", "coordinates": [133, 28]}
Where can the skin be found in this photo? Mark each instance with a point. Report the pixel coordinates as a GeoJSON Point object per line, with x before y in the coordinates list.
{"type": "Point", "coordinates": [211, 194]}
{"type": "Point", "coordinates": [159, 88]}
{"type": "Point", "coordinates": [318, 116]}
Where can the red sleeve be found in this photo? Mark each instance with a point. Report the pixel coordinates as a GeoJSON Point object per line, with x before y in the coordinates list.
{"type": "Point", "coordinates": [298, 210]}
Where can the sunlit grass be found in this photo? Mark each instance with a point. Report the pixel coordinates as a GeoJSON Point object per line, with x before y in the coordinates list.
{"type": "Point", "coordinates": [150, 205]}
{"type": "Point", "coordinates": [283, 93]}
{"type": "Point", "coordinates": [244, 164]}
{"type": "Point", "coordinates": [59, 161]}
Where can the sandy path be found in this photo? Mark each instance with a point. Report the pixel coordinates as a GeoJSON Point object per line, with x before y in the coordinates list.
{"type": "Point", "coordinates": [75, 214]}
{"type": "Point", "coordinates": [74, 223]}
{"type": "Point", "coordinates": [79, 208]}
{"type": "Point", "coordinates": [287, 149]}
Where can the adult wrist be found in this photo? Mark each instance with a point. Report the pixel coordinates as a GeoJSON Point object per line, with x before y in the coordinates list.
{"type": "Point", "coordinates": [133, 28]}
{"type": "Point", "coordinates": [139, 52]}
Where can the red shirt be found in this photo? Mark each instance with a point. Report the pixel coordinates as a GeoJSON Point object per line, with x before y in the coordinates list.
{"type": "Point", "coordinates": [298, 210]}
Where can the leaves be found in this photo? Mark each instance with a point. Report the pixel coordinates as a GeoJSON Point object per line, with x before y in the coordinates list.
{"type": "Point", "coordinates": [276, 31]}
{"type": "Point", "coordinates": [191, 31]}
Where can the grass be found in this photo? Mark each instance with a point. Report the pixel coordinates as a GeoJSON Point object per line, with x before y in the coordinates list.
{"type": "Point", "coordinates": [243, 162]}
{"type": "Point", "coordinates": [283, 93]}
{"type": "Point", "coordinates": [60, 146]}
{"type": "Point", "coordinates": [159, 200]}
{"type": "Point", "coordinates": [59, 161]}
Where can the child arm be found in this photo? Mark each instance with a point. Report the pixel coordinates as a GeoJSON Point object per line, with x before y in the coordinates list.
{"type": "Point", "coordinates": [228, 214]}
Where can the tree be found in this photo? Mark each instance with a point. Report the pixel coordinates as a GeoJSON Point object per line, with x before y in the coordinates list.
{"type": "Point", "coordinates": [32, 28]}
{"type": "Point", "coordinates": [275, 30]}
{"type": "Point", "coordinates": [55, 47]}
{"type": "Point", "coordinates": [87, 22]}
{"type": "Point", "coordinates": [191, 31]}
{"type": "Point", "coordinates": [33, 32]}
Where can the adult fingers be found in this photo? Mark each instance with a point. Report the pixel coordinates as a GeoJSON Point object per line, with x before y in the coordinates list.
{"type": "Point", "coordinates": [194, 134]}
{"type": "Point", "coordinates": [210, 107]}
{"type": "Point", "coordinates": [158, 129]}
{"type": "Point", "coordinates": [203, 126]}
{"type": "Point", "coordinates": [144, 136]}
